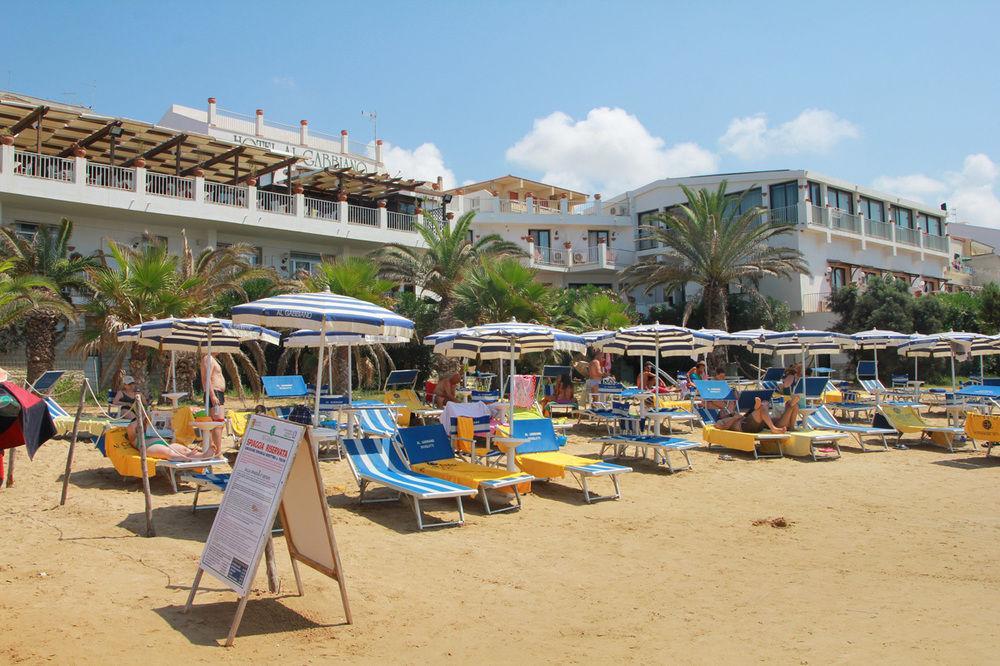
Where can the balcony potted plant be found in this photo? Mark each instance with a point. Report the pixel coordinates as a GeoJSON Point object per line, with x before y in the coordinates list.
{"type": "Point", "coordinates": [5, 137]}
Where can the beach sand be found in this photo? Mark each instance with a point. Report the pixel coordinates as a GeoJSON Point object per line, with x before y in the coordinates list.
{"type": "Point", "coordinates": [887, 556]}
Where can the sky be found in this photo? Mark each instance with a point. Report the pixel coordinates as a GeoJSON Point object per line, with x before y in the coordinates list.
{"type": "Point", "coordinates": [595, 96]}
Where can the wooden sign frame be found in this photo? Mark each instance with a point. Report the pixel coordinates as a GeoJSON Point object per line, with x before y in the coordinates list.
{"type": "Point", "coordinates": [301, 507]}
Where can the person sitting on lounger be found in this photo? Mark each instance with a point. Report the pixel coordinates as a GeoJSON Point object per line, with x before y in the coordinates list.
{"type": "Point", "coordinates": [792, 375]}
{"type": "Point", "coordinates": [759, 417]}
{"type": "Point", "coordinates": [447, 389]}
{"type": "Point", "coordinates": [697, 373]}
{"type": "Point", "coordinates": [648, 381]}
{"type": "Point", "coordinates": [724, 407]}
{"type": "Point", "coordinates": [562, 395]}
{"type": "Point", "coordinates": [157, 447]}
{"type": "Point", "coordinates": [125, 398]}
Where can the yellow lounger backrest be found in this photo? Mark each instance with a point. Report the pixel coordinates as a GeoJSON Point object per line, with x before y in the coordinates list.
{"type": "Point", "coordinates": [904, 419]}
{"type": "Point", "coordinates": [123, 455]}
{"type": "Point", "coordinates": [406, 397]}
{"type": "Point", "coordinates": [983, 427]}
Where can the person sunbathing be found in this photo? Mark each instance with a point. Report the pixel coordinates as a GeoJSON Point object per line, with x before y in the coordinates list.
{"type": "Point", "coordinates": [158, 448]}
{"type": "Point", "coordinates": [447, 389]}
{"type": "Point", "coordinates": [757, 418]}
{"type": "Point", "coordinates": [562, 394]}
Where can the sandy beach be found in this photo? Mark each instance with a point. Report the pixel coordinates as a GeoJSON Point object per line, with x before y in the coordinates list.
{"type": "Point", "coordinates": [887, 556]}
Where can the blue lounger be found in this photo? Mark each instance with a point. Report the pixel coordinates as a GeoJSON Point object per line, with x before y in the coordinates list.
{"type": "Point", "coordinates": [284, 386]}
{"type": "Point", "coordinates": [377, 420]}
{"type": "Point", "coordinates": [376, 461]}
{"type": "Point", "coordinates": [822, 419]}
{"type": "Point", "coordinates": [628, 432]}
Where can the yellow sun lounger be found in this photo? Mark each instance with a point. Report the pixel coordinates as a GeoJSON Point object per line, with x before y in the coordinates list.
{"type": "Point", "coordinates": [411, 406]}
{"type": "Point", "coordinates": [984, 427]}
{"type": "Point", "coordinates": [908, 421]}
{"type": "Point", "coordinates": [761, 445]}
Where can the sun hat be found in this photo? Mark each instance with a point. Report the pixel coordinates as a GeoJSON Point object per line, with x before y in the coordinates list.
{"type": "Point", "coordinates": [129, 379]}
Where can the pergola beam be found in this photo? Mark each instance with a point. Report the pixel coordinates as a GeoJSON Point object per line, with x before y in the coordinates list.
{"type": "Point", "coordinates": [156, 150]}
{"type": "Point", "coordinates": [93, 138]}
{"type": "Point", "coordinates": [263, 172]}
{"type": "Point", "coordinates": [212, 161]}
{"type": "Point", "coordinates": [36, 115]}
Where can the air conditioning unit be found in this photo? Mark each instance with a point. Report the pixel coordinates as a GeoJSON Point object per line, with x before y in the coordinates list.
{"type": "Point", "coordinates": [578, 257]}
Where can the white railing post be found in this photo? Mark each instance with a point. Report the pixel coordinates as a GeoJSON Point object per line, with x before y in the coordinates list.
{"type": "Point", "coordinates": [892, 237]}
{"type": "Point", "coordinates": [140, 180]}
{"type": "Point", "coordinates": [531, 252]}
{"type": "Point", "coordinates": [529, 203]}
{"type": "Point", "coordinates": [343, 141]}
{"type": "Point", "coordinates": [258, 126]}
{"type": "Point", "coordinates": [920, 241]}
{"type": "Point", "coordinates": [299, 203]}
{"type": "Point", "coordinates": [199, 189]}
{"type": "Point", "coordinates": [569, 255]}
{"type": "Point", "coordinates": [383, 215]}
{"type": "Point", "coordinates": [864, 231]}
{"type": "Point", "coordinates": [564, 205]}
{"type": "Point", "coordinates": [602, 255]}
{"type": "Point", "coordinates": [6, 158]}
{"type": "Point", "coordinates": [251, 196]}
{"type": "Point", "coordinates": [80, 170]}
{"type": "Point", "coordinates": [211, 111]}
{"type": "Point", "coordinates": [342, 210]}
{"type": "Point", "coordinates": [378, 151]}
{"type": "Point", "coordinates": [597, 208]}
{"type": "Point", "coordinates": [303, 132]}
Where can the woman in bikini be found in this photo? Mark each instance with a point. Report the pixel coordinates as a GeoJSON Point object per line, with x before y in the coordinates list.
{"type": "Point", "coordinates": [755, 419]}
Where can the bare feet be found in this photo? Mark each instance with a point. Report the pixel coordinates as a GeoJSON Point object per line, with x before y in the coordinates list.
{"type": "Point", "coordinates": [778, 431]}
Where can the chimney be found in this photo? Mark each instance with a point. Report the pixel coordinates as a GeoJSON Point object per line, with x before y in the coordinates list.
{"type": "Point", "coordinates": [211, 111]}
{"type": "Point", "coordinates": [440, 183]}
{"type": "Point", "coordinates": [378, 151]}
{"type": "Point", "coordinates": [303, 132]}
{"type": "Point", "coordinates": [259, 126]}
{"type": "Point", "coordinates": [343, 141]}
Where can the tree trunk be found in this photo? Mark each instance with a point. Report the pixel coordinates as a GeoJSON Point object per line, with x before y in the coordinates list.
{"type": "Point", "coordinates": [40, 343]}
{"type": "Point", "coordinates": [716, 303]}
{"type": "Point", "coordinates": [137, 368]}
{"type": "Point", "coordinates": [341, 378]}
{"type": "Point", "coordinates": [187, 372]}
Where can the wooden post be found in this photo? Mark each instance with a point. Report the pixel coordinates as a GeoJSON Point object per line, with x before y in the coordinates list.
{"type": "Point", "coordinates": [140, 435]}
{"type": "Point", "coordinates": [10, 467]}
{"type": "Point", "coordinates": [72, 441]}
{"type": "Point", "coordinates": [273, 581]}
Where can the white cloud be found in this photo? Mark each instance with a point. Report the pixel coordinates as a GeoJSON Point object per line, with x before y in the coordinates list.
{"type": "Point", "coordinates": [425, 162]}
{"type": "Point", "coordinates": [609, 151]}
{"type": "Point", "coordinates": [971, 192]}
{"type": "Point", "coordinates": [812, 131]}
{"type": "Point", "coordinates": [283, 82]}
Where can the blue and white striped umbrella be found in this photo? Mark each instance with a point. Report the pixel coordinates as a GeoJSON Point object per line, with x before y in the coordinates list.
{"type": "Point", "coordinates": [657, 340]}
{"type": "Point", "coordinates": [746, 338]}
{"type": "Point", "coordinates": [323, 311]}
{"type": "Point", "coordinates": [876, 339]}
{"type": "Point", "coordinates": [952, 344]}
{"type": "Point", "coordinates": [594, 337]}
{"type": "Point", "coordinates": [326, 313]}
{"type": "Point", "coordinates": [806, 341]}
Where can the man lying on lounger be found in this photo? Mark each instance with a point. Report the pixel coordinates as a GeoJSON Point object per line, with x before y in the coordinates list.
{"type": "Point", "coordinates": [759, 417]}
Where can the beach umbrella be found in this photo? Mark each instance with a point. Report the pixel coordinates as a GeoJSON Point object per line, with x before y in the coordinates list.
{"type": "Point", "coordinates": [592, 337]}
{"type": "Point", "coordinates": [657, 340]}
{"type": "Point", "coordinates": [306, 338]}
{"type": "Point", "coordinates": [192, 333]}
{"type": "Point", "coordinates": [953, 345]}
{"type": "Point", "coordinates": [506, 340]}
{"type": "Point", "coordinates": [876, 339]}
{"type": "Point", "coordinates": [746, 338]}
{"type": "Point", "coordinates": [326, 313]}
{"type": "Point", "coordinates": [808, 341]}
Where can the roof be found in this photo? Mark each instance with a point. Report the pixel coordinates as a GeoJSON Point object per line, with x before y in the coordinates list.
{"type": "Point", "coordinates": [509, 182]}
{"type": "Point", "coordinates": [366, 185]}
{"type": "Point", "coordinates": [62, 127]}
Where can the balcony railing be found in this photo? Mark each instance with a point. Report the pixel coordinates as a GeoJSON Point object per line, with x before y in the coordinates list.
{"type": "Point", "coordinates": [621, 257]}
{"type": "Point", "coordinates": [276, 202]}
{"type": "Point", "coordinates": [841, 219]}
{"type": "Point", "coordinates": [817, 217]}
{"type": "Point", "coordinates": [907, 236]}
{"type": "Point", "coordinates": [400, 221]}
{"type": "Point", "coordinates": [816, 302]}
{"type": "Point", "coordinates": [546, 256]}
{"type": "Point", "coordinates": [115, 177]}
{"type": "Point", "coordinates": [785, 214]}
{"type": "Point", "coordinates": [878, 229]}
{"type": "Point", "coordinates": [226, 195]}
{"type": "Point", "coordinates": [165, 185]}
{"type": "Point", "coordinates": [48, 167]}
{"type": "Point", "coordinates": [327, 210]}
{"type": "Point", "coordinates": [361, 215]}
{"type": "Point", "coordinates": [937, 243]}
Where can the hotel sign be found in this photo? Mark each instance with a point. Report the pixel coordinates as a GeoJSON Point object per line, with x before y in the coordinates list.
{"type": "Point", "coordinates": [312, 158]}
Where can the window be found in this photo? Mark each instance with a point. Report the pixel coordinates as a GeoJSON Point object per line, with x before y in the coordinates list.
{"type": "Point", "coordinates": [815, 194]}
{"type": "Point", "coordinates": [543, 237]}
{"type": "Point", "coordinates": [902, 217]}
{"type": "Point", "coordinates": [594, 237]}
{"type": "Point", "coordinates": [840, 199]}
{"type": "Point", "coordinates": [646, 219]}
{"type": "Point", "coordinates": [26, 230]}
{"type": "Point", "coordinates": [872, 209]}
{"type": "Point", "coordinates": [299, 262]}
{"type": "Point", "coordinates": [838, 278]}
{"type": "Point", "coordinates": [784, 195]}
{"type": "Point", "coordinates": [929, 223]}
{"type": "Point", "coordinates": [254, 256]}
{"type": "Point", "coordinates": [747, 200]}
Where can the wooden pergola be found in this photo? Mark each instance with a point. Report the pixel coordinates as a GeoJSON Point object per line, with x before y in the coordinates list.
{"type": "Point", "coordinates": [61, 130]}
{"type": "Point", "coordinates": [361, 185]}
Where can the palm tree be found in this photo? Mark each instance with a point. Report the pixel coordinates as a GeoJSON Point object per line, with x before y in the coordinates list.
{"type": "Point", "coordinates": [709, 242]}
{"type": "Point", "coordinates": [500, 290]}
{"type": "Point", "coordinates": [442, 265]}
{"type": "Point", "coordinates": [47, 256]}
{"type": "Point", "coordinates": [599, 311]}
{"type": "Point", "coordinates": [357, 277]}
{"type": "Point", "coordinates": [20, 294]}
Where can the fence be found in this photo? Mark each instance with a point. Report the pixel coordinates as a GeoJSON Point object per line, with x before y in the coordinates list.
{"type": "Point", "coordinates": [841, 219]}
{"type": "Point", "coordinates": [114, 177]}
{"type": "Point", "coordinates": [226, 195]}
{"type": "Point", "coordinates": [327, 210]}
{"type": "Point", "coordinates": [939, 243]}
{"type": "Point", "coordinates": [878, 229]}
{"type": "Point", "coordinates": [276, 202]}
{"type": "Point", "coordinates": [400, 221]}
{"type": "Point", "coordinates": [44, 166]}
{"type": "Point", "coordinates": [165, 185]}
{"type": "Point", "coordinates": [362, 215]}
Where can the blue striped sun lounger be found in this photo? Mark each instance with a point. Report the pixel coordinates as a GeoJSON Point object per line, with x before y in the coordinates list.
{"type": "Point", "coordinates": [376, 461]}
{"type": "Point", "coordinates": [208, 481]}
{"type": "Point", "coordinates": [376, 420]}
{"type": "Point", "coordinates": [628, 432]}
{"type": "Point", "coordinates": [55, 409]}
{"type": "Point", "coordinates": [823, 419]}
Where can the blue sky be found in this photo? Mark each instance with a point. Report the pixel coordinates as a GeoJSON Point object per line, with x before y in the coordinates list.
{"type": "Point", "coordinates": [595, 95]}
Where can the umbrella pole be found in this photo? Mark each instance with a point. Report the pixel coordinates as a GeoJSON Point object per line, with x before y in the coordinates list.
{"type": "Point", "coordinates": [760, 366]}
{"type": "Point", "coordinates": [875, 351]}
{"type": "Point", "coordinates": [511, 466]}
{"type": "Point", "coordinates": [208, 384]}
{"type": "Point", "coordinates": [350, 377]}
{"type": "Point", "coordinates": [982, 373]}
{"type": "Point", "coordinates": [319, 376]}
{"type": "Point", "coordinates": [173, 372]}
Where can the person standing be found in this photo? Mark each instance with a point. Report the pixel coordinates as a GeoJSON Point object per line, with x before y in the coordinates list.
{"type": "Point", "coordinates": [595, 373]}
{"type": "Point", "coordinates": [214, 383]}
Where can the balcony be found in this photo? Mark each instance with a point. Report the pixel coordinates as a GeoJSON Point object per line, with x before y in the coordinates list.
{"type": "Point", "coordinates": [532, 211]}
{"type": "Point", "coordinates": [144, 193]}
{"type": "Point", "coordinates": [838, 222]}
{"type": "Point", "coordinates": [587, 258]}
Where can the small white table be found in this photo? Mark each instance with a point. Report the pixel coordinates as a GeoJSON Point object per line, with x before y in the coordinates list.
{"type": "Point", "coordinates": [510, 445]}
{"type": "Point", "coordinates": [206, 428]}
{"type": "Point", "coordinates": [174, 398]}
{"type": "Point", "coordinates": [322, 435]}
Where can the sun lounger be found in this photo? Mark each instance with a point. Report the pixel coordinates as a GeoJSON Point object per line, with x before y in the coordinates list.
{"type": "Point", "coordinates": [771, 380]}
{"type": "Point", "coordinates": [629, 431]}
{"type": "Point", "coordinates": [377, 461]}
{"type": "Point", "coordinates": [823, 419]}
{"type": "Point", "coordinates": [541, 458]}
{"type": "Point", "coordinates": [375, 419]}
{"type": "Point", "coordinates": [284, 386]}
{"type": "Point", "coordinates": [428, 450]}
{"type": "Point", "coordinates": [870, 382]}
{"type": "Point", "coordinates": [985, 428]}
{"type": "Point", "coordinates": [467, 432]}
{"type": "Point", "coordinates": [907, 421]}
{"type": "Point", "coordinates": [126, 460]}
{"type": "Point", "coordinates": [600, 413]}
{"type": "Point", "coordinates": [409, 405]}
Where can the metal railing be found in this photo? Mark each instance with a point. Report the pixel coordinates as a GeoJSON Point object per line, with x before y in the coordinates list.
{"type": "Point", "coordinates": [48, 167]}
{"type": "Point", "coordinates": [226, 195]}
{"type": "Point", "coordinates": [841, 219]}
{"type": "Point", "coordinates": [327, 210]}
{"type": "Point", "coordinates": [785, 214]}
{"type": "Point", "coordinates": [400, 221]}
{"type": "Point", "coordinates": [593, 254]}
{"type": "Point", "coordinates": [165, 185]}
{"type": "Point", "coordinates": [511, 206]}
{"type": "Point", "coordinates": [816, 302]}
{"type": "Point", "coordinates": [359, 148]}
{"type": "Point", "coordinates": [362, 215]}
{"type": "Point", "coordinates": [937, 243]}
{"type": "Point", "coordinates": [907, 236]}
{"type": "Point", "coordinates": [621, 257]}
{"type": "Point", "coordinates": [276, 202]}
{"type": "Point", "coordinates": [817, 216]}
{"type": "Point", "coordinates": [114, 177]}
{"type": "Point", "coordinates": [878, 229]}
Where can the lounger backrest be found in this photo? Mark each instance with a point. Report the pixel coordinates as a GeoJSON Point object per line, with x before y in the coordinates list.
{"type": "Point", "coordinates": [620, 408]}
{"type": "Point", "coordinates": [866, 370]}
{"type": "Point", "coordinates": [285, 386]}
{"type": "Point", "coordinates": [746, 399]}
{"type": "Point", "coordinates": [713, 389]}
{"type": "Point", "coordinates": [55, 410]}
{"type": "Point", "coordinates": [366, 456]}
{"type": "Point", "coordinates": [540, 434]}
{"type": "Point", "coordinates": [871, 385]}
{"type": "Point", "coordinates": [707, 416]}
{"type": "Point", "coordinates": [610, 387]}
{"type": "Point", "coordinates": [773, 375]}
{"type": "Point", "coordinates": [984, 427]}
{"type": "Point", "coordinates": [484, 396]}
{"type": "Point", "coordinates": [377, 421]}
{"type": "Point", "coordinates": [401, 379]}
{"type": "Point", "coordinates": [821, 418]}
{"type": "Point", "coordinates": [991, 381]}
{"type": "Point", "coordinates": [47, 381]}
{"type": "Point", "coordinates": [470, 426]}
{"type": "Point", "coordinates": [983, 391]}
{"type": "Point", "coordinates": [425, 443]}
{"type": "Point", "coordinates": [900, 416]}
{"type": "Point", "coordinates": [815, 386]}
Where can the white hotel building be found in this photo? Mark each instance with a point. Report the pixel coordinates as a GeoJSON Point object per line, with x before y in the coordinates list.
{"type": "Point", "coordinates": [298, 196]}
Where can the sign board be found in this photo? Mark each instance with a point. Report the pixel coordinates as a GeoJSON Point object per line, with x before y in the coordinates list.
{"type": "Point", "coordinates": [312, 158]}
{"type": "Point", "coordinates": [276, 471]}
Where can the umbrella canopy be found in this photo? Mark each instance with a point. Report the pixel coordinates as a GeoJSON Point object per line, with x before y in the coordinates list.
{"type": "Point", "coordinates": [306, 338]}
{"type": "Point", "coordinates": [808, 341]}
{"type": "Point", "coordinates": [742, 337]}
{"type": "Point", "coordinates": [326, 313]}
{"type": "Point", "coordinates": [953, 345]}
{"type": "Point", "coordinates": [592, 337]}
{"type": "Point", "coordinates": [657, 340]}
{"type": "Point", "coordinates": [879, 339]}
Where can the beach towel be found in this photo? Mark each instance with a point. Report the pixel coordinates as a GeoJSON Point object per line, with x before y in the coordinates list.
{"type": "Point", "coordinates": [182, 423]}
{"type": "Point", "coordinates": [523, 390]}
{"type": "Point", "coordinates": [470, 474]}
{"type": "Point", "coordinates": [32, 427]}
